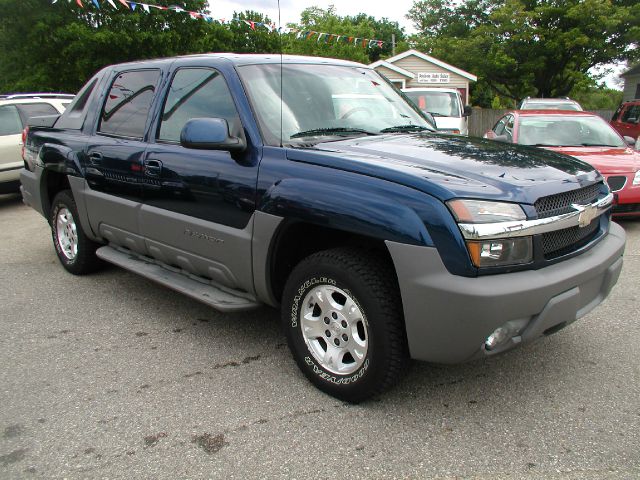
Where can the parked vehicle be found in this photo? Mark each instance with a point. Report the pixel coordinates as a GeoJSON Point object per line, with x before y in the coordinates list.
{"type": "Point", "coordinates": [14, 112]}
{"type": "Point", "coordinates": [585, 136]}
{"type": "Point", "coordinates": [446, 107]}
{"type": "Point", "coordinates": [626, 120]}
{"type": "Point", "coordinates": [564, 103]}
{"type": "Point", "coordinates": [235, 180]}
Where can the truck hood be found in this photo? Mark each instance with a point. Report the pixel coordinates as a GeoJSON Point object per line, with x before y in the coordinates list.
{"type": "Point", "coordinates": [608, 160]}
{"type": "Point", "coordinates": [449, 166]}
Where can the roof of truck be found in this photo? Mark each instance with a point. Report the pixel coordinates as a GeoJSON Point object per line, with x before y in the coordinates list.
{"type": "Point", "coordinates": [254, 59]}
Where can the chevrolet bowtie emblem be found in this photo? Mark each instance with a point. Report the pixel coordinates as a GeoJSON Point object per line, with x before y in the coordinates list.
{"type": "Point", "coordinates": [588, 213]}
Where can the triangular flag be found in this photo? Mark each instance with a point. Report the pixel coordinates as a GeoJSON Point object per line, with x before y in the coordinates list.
{"type": "Point", "coordinates": [112, 4]}
{"type": "Point", "coordinates": [95, 2]}
{"type": "Point", "coordinates": [79, 2]}
{"type": "Point", "coordinates": [133, 6]}
{"type": "Point", "coordinates": [145, 7]}
{"type": "Point", "coordinates": [123, 2]}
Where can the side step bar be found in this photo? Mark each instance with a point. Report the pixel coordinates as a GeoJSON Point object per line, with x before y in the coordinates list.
{"type": "Point", "coordinates": [220, 298]}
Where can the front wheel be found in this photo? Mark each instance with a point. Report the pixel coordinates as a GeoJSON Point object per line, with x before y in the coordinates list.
{"type": "Point", "coordinates": [76, 252]}
{"type": "Point", "coordinates": [343, 319]}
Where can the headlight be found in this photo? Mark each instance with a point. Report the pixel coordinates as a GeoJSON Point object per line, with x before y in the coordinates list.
{"type": "Point", "coordinates": [501, 252]}
{"type": "Point", "coordinates": [636, 179]}
{"type": "Point", "coordinates": [481, 211]}
{"type": "Point", "coordinates": [495, 252]}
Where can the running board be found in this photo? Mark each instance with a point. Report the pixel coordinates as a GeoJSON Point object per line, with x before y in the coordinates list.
{"type": "Point", "coordinates": [220, 298]}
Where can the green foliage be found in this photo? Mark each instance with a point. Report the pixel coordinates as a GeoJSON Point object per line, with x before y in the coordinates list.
{"type": "Point", "coordinates": [528, 47]}
{"type": "Point", "coordinates": [361, 26]}
{"type": "Point", "coordinates": [596, 97]}
{"type": "Point", "coordinates": [57, 47]}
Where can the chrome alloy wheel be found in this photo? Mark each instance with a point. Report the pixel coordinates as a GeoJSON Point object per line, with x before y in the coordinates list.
{"type": "Point", "coordinates": [67, 233]}
{"type": "Point", "coordinates": [334, 329]}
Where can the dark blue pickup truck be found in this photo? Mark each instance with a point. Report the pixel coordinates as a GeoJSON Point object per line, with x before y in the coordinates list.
{"type": "Point", "coordinates": [313, 185]}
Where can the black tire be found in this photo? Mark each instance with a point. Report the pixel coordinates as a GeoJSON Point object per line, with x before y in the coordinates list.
{"type": "Point", "coordinates": [371, 283]}
{"type": "Point", "coordinates": [84, 260]}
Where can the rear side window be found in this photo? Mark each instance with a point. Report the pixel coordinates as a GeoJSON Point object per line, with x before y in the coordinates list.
{"type": "Point", "coordinates": [10, 123]}
{"type": "Point", "coordinates": [127, 106]}
{"type": "Point", "coordinates": [28, 110]}
{"type": "Point", "coordinates": [196, 93]}
{"type": "Point", "coordinates": [74, 115]}
{"type": "Point", "coordinates": [632, 114]}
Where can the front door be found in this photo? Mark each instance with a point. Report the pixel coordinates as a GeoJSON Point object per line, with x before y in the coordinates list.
{"type": "Point", "coordinates": [198, 204]}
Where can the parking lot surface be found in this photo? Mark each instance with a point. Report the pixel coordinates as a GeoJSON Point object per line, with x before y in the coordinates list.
{"type": "Point", "coordinates": [113, 376]}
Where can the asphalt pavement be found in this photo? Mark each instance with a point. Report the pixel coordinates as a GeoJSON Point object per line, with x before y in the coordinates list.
{"type": "Point", "coordinates": [113, 376]}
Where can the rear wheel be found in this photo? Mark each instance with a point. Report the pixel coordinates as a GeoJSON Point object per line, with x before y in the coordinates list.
{"type": "Point", "coordinates": [343, 319]}
{"type": "Point", "coordinates": [75, 250]}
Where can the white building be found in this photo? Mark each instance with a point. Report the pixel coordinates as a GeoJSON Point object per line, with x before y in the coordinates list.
{"type": "Point", "coordinates": [631, 83]}
{"type": "Point", "coordinates": [416, 69]}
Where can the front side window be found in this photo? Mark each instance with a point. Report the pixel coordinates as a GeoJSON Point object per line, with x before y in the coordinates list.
{"type": "Point", "coordinates": [196, 93]}
{"type": "Point", "coordinates": [127, 106]}
{"type": "Point", "coordinates": [499, 128]}
{"type": "Point", "coordinates": [10, 123]}
{"type": "Point", "coordinates": [295, 102]}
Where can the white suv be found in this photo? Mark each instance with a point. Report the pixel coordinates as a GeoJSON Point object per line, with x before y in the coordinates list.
{"type": "Point", "coordinates": [15, 110]}
{"type": "Point", "coordinates": [445, 104]}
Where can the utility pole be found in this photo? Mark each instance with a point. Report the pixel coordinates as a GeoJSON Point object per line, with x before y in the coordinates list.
{"type": "Point", "coordinates": [393, 44]}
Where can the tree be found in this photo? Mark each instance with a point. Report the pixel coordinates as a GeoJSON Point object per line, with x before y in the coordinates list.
{"type": "Point", "coordinates": [528, 47]}
{"type": "Point", "coordinates": [57, 47]}
{"type": "Point", "coordinates": [360, 26]}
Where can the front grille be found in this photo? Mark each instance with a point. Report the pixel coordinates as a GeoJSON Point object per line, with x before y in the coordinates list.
{"type": "Point", "coordinates": [561, 203]}
{"type": "Point", "coordinates": [627, 208]}
{"type": "Point", "coordinates": [561, 242]}
{"type": "Point", "coordinates": [616, 182]}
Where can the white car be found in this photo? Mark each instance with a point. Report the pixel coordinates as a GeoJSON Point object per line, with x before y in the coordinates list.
{"type": "Point", "coordinates": [15, 110]}
{"type": "Point", "coordinates": [445, 104]}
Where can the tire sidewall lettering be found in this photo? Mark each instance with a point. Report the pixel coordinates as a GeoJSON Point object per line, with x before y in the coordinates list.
{"type": "Point", "coordinates": [301, 292]}
{"type": "Point", "coordinates": [54, 231]}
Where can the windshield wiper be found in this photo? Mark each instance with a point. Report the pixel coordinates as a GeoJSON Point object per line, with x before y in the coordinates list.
{"type": "Point", "coordinates": [340, 131]}
{"type": "Point", "coordinates": [404, 128]}
{"type": "Point", "coordinates": [597, 145]}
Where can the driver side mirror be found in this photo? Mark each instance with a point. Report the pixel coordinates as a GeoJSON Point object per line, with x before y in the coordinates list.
{"type": "Point", "coordinates": [638, 143]}
{"type": "Point", "coordinates": [467, 111]}
{"type": "Point", "coordinates": [210, 134]}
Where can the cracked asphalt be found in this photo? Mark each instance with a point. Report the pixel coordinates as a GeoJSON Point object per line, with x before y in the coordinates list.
{"type": "Point", "coordinates": [113, 376]}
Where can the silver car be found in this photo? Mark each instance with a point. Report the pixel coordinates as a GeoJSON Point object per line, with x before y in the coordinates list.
{"type": "Point", "coordinates": [15, 110]}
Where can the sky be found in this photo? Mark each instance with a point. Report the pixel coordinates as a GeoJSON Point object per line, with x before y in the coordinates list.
{"type": "Point", "coordinates": [393, 10]}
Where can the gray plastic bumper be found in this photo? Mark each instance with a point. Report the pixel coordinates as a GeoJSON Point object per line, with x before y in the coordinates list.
{"type": "Point", "coordinates": [448, 317]}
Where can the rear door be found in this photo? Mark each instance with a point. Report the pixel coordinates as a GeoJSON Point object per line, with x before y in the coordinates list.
{"type": "Point", "coordinates": [198, 204]}
{"type": "Point", "coordinates": [114, 157]}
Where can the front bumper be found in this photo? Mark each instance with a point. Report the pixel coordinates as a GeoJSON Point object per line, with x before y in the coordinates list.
{"type": "Point", "coordinates": [626, 200]}
{"type": "Point", "coordinates": [449, 317]}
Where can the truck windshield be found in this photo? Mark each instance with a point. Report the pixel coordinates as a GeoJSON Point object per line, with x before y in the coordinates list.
{"type": "Point", "coordinates": [311, 103]}
{"type": "Point", "coordinates": [438, 104]}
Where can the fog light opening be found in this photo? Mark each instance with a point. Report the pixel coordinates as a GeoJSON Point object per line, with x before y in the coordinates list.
{"type": "Point", "coordinates": [497, 338]}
